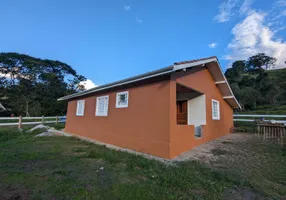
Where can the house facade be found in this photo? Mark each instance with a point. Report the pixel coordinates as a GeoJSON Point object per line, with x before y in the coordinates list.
{"type": "Point", "coordinates": [163, 113]}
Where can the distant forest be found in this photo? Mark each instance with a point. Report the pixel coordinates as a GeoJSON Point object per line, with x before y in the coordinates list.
{"type": "Point", "coordinates": [31, 86]}
{"type": "Point", "coordinates": [257, 88]}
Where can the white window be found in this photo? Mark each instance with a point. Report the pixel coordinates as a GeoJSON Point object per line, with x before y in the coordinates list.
{"type": "Point", "coordinates": [80, 108]}
{"type": "Point", "coordinates": [215, 110]}
{"type": "Point", "coordinates": [101, 106]}
{"type": "Point", "coordinates": [122, 99]}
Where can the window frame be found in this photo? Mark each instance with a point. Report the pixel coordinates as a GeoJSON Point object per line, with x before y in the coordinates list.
{"type": "Point", "coordinates": [218, 110]}
{"type": "Point", "coordinates": [97, 104]}
{"type": "Point", "coordinates": [77, 108]}
{"type": "Point", "coordinates": [117, 99]}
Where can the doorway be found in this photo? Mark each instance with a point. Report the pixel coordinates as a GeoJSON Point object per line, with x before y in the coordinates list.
{"type": "Point", "coordinates": [182, 112]}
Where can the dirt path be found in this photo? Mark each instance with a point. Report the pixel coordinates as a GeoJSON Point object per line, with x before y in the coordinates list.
{"type": "Point", "coordinates": [211, 151]}
{"type": "Point", "coordinates": [246, 156]}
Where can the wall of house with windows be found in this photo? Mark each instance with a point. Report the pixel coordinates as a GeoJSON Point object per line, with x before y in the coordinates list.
{"type": "Point", "coordinates": [218, 119]}
{"type": "Point", "coordinates": [131, 117]}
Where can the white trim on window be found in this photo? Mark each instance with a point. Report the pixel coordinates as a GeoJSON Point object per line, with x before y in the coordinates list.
{"type": "Point", "coordinates": [119, 102]}
{"type": "Point", "coordinates": [80, 108]}
{"type": "Point", "coordinates": [102, 106]}
{"type": "Point", "coordinates": [215, 110]}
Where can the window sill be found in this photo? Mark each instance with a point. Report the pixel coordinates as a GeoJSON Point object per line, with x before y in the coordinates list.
{"type": "Point", "coordinates": [121, 106]}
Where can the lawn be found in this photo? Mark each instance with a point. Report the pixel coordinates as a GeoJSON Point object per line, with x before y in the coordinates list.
{"type": "Point", "coordinates": [67, 168]}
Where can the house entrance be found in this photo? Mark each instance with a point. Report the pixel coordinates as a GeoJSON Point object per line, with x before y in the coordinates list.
{"type": "Point", "coordinates": [191, 106]}
{"type": "Point", "coordinates": [182, 112]}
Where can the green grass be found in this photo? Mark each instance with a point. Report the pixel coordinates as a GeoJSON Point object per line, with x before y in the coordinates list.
{"type": "Point", "coordinates": [248, 127]}
{"type": "Point", "coordinates": [67, 168]}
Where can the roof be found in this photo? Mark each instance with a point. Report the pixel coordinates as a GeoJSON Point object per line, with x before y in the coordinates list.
{"type": "Point", "coordinates": [194, 61]}
{"type": "Point", "coordinates": [213, 66]}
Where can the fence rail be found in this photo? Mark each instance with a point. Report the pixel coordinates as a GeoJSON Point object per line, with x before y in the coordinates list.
{"type": "Point", "coordinates": [258, 117]}
{"type": "Point", "coordinates": [62, 119]}
{"type": "Point", "coordinates": [42, 120]}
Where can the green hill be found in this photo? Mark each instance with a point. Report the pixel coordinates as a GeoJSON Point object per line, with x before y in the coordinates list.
{"type": "Point", "coordinates": [258, 90]}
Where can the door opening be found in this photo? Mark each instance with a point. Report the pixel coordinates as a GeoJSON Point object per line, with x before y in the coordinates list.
{"type": "Point", "coordinates": [182, 112]}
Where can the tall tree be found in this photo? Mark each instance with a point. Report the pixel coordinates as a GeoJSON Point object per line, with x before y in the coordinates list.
{"type": "Point", "coordinates": [260, 61]}
{"type": "Point", "coordinates": [32, 85]}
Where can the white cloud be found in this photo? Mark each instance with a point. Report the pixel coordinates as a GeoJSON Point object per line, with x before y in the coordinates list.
{"type": "Point", "coordinates": [140, 21]}
{"type": "Point", "coordinates": [245, 7]}
{"type": "Point", "coordinates": [127, 7]}
{"type": "Point", "coordinates": [281, 3]}
{"type": "Point", "coordinates": [225, 11]}
{"type": "Point", "coordinates": [212, 45]}
{"type": "Point", "coordinates": [88, 84]}
{"type": "Point", "coordinates": [252, 36]}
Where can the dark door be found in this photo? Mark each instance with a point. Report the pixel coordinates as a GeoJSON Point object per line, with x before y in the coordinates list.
{"type": "Point", "coordinates": [182, 112]}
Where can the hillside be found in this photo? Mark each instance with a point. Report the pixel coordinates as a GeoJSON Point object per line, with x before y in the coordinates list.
{"type": "Point", "coordinates": [278, 77]}
{"type": "Point", "coordinates": [258, 90]}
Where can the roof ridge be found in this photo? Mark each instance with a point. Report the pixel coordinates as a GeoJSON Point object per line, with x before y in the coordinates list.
{"type": "Point", "coordinates": [194, 60]}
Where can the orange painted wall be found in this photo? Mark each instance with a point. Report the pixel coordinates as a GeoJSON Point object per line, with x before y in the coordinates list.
{"type": "Point", "coordinates": [149, 123]}
{"type": "Point", "coordinates": [182, 137]}
{"type": "Point", "coordinates": [143, 126]}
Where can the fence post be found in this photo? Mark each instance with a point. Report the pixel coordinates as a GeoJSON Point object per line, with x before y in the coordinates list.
{"type": "Point", "coordinates": [57, 120]}
{"type": "Point", "coordinates": [43, 119]}
{"type": "Point", "coordinates": [20, 122]}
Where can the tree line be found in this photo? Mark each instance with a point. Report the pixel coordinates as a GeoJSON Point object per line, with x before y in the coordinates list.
{"type": "Point", "coordinates": [31, 86]}
{"type": "Point", "coordinates": [254, 84]}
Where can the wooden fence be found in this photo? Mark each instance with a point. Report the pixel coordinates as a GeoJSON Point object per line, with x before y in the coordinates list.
{"type": "Point", "coordinates": [266, 126]}
{"type": "Point", "coordinates": [274, 132]}
{"type": "Point", "coordinates": [20, 121]}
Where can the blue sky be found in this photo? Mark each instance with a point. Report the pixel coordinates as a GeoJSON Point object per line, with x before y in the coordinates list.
{"type": "Point", "coordinates": [114, 39]}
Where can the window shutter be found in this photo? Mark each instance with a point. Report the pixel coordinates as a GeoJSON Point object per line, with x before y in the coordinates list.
{"type": "Point", "coordinates": [80, 108]}
{"type": "Point", "coordinates": [215, 110]}
{"type": "Point", "coordinates": [102, 106]}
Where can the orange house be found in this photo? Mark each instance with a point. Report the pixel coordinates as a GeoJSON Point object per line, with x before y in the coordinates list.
{"type": "Point", "coordinates": [163, 113]}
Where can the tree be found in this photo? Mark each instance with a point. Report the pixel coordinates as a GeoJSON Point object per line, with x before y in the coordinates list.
{"type": "Point", "coordinates": [260, 61]}
{"type": "Point", "coordinates": [235, 73]}
{"type": "Point", "coordinates": [33, 85]}
{"type": "Point", "coordinates": [248, 97]}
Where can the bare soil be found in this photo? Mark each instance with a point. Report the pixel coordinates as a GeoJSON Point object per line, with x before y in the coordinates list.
{"type": "Point", "coordinates": [246, 155]}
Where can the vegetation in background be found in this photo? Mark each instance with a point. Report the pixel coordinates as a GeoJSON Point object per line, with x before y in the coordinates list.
{"type": "Point", "coordinates": [31, 86]}
{"type": "Point", "coordinates": [258, 89]}
{"type": "Point", "coordinates": [67, 168]}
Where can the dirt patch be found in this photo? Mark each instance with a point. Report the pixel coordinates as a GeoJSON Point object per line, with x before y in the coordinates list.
{"type": "Point", "coordinates": [219, 152]}
{"type": "Point", "coordinates": [243, 194]}
{"type": "Point", "coordinates": [210, 152]}
{"type": "Point", "coordinates": [12, 193]}
{"type": "Point", "coordinates": [248, 159]}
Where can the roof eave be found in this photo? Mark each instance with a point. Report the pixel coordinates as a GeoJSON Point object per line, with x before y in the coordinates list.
{"type": "Point", "coordinates": [108, 86]}
{"type": "Point", "coordinates": [203, 62]}
{"type": "Point", "coordinates": [164, 71]}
